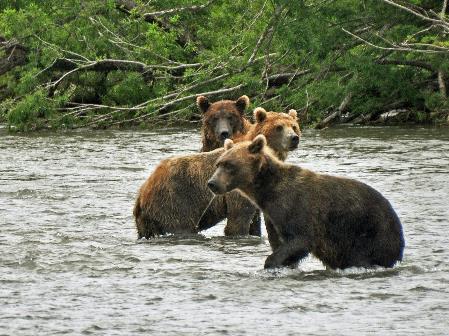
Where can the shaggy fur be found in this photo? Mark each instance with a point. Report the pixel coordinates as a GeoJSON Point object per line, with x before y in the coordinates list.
{"type": "Point", "coordinates": [341, 221]}
{"type": "Point", "coordinates": [222, 120]}
{"type": "Point", "coordinates": [282, 133]}
{"type": "Point", "coordinates": [175, 195]}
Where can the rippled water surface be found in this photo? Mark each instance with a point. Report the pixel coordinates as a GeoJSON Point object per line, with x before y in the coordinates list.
{"type": "Point", "coordinates": [70, 262]}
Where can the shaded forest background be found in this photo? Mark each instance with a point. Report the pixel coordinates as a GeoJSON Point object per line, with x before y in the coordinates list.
{"type": "Point", "coordinates": [104, 63]}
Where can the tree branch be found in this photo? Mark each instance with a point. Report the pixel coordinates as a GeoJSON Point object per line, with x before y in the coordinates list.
{"type": "Point", "coordinates": [284, 78]}
{"type": "Point", "coordinates": [194, 8]}
{"type": "Point", "coordinates": [443, 10]}
{"type": "Point", "coordinates": [268, 30]}
{"type": "Point", "coordinates": [418, 64]}
{"type": "Point", "coordinates": [15, 55]}
{"type": "Point", "coordinates": [127, 6]}
{"type": "Point", "coordinates": [421, 16]}
{"type": "Point", "coordinates": [398, 48]}
{"type": "Point", "coordinates": [175, 101]}
{"type": "Point", "coordinates": [343, 106]}
{"type": "Point", "coordinates": [442, 84]}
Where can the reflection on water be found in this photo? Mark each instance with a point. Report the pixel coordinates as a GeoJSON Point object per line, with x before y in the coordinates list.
{"type": "Point", "coordinates": [70, 263]}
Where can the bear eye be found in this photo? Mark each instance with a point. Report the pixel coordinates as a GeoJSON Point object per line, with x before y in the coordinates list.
{"type": "Point", "coordinates": [295, 128]}
{"type": "Point", "coordinates": [228, 166]}
{"type": "Point", "coordinates": [212, 121]}
{"type": "Point", "coordinates": [279, 128]}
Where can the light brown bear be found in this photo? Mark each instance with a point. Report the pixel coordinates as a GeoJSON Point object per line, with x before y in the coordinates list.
{"type": "Point", "coordinates": [222, 120]}
{"type": "Point", "coordinates": [341, 221]}
{"type": "Point", "coordinates": [175, 195]}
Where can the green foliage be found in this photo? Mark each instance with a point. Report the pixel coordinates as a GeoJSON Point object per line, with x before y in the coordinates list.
{"type": "Point", "coordinates": [434, 101]}
{"type": "Point", "coordinates": [31, 112]}
{"type": "Point", "coordinates": [190, 52]}
{"type": "Point", "coordinates": [127, 89]}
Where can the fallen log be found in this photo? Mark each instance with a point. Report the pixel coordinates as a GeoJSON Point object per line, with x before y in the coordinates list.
{"type": "Point", "coordinates": [392, 115]}
{"type": "Point", "coordinates": [335, 115]}
{"type": "Point", "coordinates": [284, 78]}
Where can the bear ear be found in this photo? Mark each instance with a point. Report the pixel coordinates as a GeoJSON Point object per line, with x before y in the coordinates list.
{"type": "Point", "coordinates": [202, 103]}
{"type": "Point", "coordinates": [242, 103]}
{"type": "Point", "coordinates": [258, 144]}
{"type": "Point", "coordinates": [292, 113]}
{"type": "Point", "coordinates": [260, 114]}
{"type": "Point", "coordinates": [228, 144]}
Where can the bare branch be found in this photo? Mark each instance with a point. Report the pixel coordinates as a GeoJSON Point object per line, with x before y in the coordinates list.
{"type": "Point", "coordinates": [209, 93]}
{"type": "Point", "coordinates": [394, 48]}
{"type": "Point", "coordinates": [103, 66]}
{"type": "Point", "coordinates": [269, 29]}
{"type": "Point", "coordinates": [418, 14]}
{"type": "Point", "coordinates": [443, 10]}
{"type": "Point", "coordinates": [128, 6]}
{"type": "Point", "coordinates": [179, 100]}
{"type": "Point", "coordinates": [417, 64]}
{"type": "Point", "coordinates": [61, 50]}
{"type": "Point", "coordinates": [337, 114]}
{"type": "Point", "coordinates": [194, 8]}
{"type": "Point", "coordinates": [284, 78]}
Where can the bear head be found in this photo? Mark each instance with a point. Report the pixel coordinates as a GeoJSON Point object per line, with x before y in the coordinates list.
{"type": "Point", "coordinates": [239, 164]}
{"type": "Point", "coordinates": [222, 119]}
{"type": "Point", "coordinates": [281, 130]}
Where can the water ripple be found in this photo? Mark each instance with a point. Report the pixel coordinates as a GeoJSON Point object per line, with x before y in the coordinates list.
{"type": "Point", "coordinates": [70, 262]}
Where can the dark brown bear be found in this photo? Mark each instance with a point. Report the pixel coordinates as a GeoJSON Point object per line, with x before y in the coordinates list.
{"type": "Point", "coordinates": [175, 195]}
{"type": "Point", "coordinates": [341, 221]}
{"type": "Point", "coordinates": [222, 120]}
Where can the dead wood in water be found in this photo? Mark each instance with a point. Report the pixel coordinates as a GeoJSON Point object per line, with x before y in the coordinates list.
{"type": "Point", "coordinates": [337, 114]}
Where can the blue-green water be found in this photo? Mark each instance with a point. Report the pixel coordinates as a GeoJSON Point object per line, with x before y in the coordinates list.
{"type": "Point", "coordinates": [70, 262]}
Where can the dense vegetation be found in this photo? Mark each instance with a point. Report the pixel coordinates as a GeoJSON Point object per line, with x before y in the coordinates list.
{"type": "Point", "coordinates": [102, 63]}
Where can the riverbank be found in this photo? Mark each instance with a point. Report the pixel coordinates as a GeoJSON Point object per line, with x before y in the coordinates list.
{"type": "Point", "coordinates": [398, 118]}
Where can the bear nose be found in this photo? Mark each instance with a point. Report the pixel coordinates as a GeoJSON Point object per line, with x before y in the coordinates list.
{"type": "Point", "coordinates": [212, 185]}
{"type": "Point", "coordinates": [224, 135]}
{"type": "Point", "coordinates": [295, 139]}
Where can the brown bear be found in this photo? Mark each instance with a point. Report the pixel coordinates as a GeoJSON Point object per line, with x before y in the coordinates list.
{"type": "Point", "coordinates": [341, 221]}
{"type": "Point", "coordinates": [222, 120]}
{"type": "Point", "coordinates": [175, 195]}
{"type": "Point", "coordinates": [282, 133]}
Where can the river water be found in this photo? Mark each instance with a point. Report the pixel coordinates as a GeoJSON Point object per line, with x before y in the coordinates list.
{"type": "Point", "coordinates": [70, 262]}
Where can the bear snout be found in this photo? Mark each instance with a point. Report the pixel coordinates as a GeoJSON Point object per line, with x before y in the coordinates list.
{"type": "Point", "coordinates": [294, 141]}
{"type": "Point", "coordinates": [213, 185]}
{"type": "Point", "coordinates": [224, 135]}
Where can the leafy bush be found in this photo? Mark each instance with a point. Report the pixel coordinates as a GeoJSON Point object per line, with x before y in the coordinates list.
{"type": "Point", "coordinates": [117, 62]}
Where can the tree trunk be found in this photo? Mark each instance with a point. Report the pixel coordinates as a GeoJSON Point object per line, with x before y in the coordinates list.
{"type": "Point", "coordinates": [442, 84]}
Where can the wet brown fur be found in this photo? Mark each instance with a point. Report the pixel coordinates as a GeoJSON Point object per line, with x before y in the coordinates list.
{"type": "Point", "coordinates": [270, 124]}
{"type": "Point", "coordinates": [341, 221]}
{"type": "Point", "coordinates": [175, 195]}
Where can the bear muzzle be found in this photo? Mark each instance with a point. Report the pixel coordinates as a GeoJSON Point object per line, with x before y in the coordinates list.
{"type": "Point", "coordinates": [224, 135]}
{"type": "Point", "coordinates": [294, 141]}
{"type": "Point", "coordinates": [214, 187]}
{"type": "Point", "coordinates": [223, 129]}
